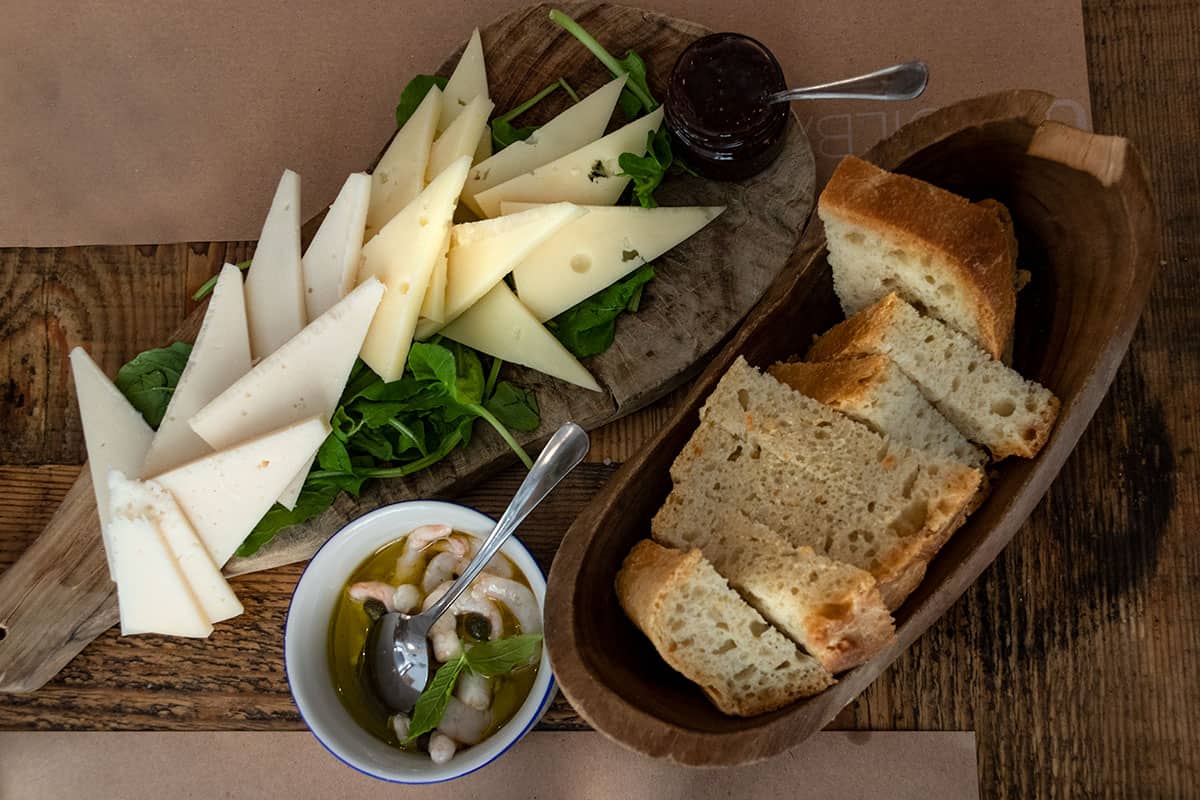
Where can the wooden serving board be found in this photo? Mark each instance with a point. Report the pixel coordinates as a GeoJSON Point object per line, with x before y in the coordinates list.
{"type": "Point", "coordinates": [58, 597]}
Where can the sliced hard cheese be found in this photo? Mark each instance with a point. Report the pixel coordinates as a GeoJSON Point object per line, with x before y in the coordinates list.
{"type": "Point", "coordinates": [461, 138]}
{"type": "Point", "coordinates": [434, 306]}
{"type": "Point", "coordinates": [483, 150]}
{"type": "Point", "coordinates": [468, 81]}
{"type": "Point", "coordinates": [403, 256]}
{"type": "Point", "coordinates": [149, 500]}
{"type": "Point", "coordinates": [588, 176]}
{"type": "Point", "coordinates": [604, 246]}
{"type": "Point", "coordinates": [220, 356]}
{"type": "Point", "coordinates": [400, 173]}
{"type": "Point", "coordinates": [225, 494]}
{"type": "Point", "coordinates": [581, 124]}
{"type": "Point", "coordinates": [275, 284]}
{"type": "Point", "coordinates": [482, 253]}
{"type": "Point", "coordinates": [331, 261]}
{"type": "Point", "coordinates": [116, 435]}
{"type": "Point", "coordinates": [500, 326]}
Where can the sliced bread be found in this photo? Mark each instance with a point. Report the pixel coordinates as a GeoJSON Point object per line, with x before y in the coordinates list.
{"type": "Point", "coordinates": [831, 609]}
{"type": "Point", "coordinates": [989, 403]}
{"type": "Point", "coordinates": [954, 258]}
{"type": "Point", "coordinates": [705, 631]}
{"type": "Point", "coordinates": [877, 393]}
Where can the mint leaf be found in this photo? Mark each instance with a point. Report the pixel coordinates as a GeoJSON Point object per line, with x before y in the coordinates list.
{"type": "Point", "coordinates": [414, 93]}
{"type": "Point", "coordinates": [502, 656]}
{"type": "Point", "coordinates": [431, 705]}
{"type": "Point", "coordinates": [149, 380]}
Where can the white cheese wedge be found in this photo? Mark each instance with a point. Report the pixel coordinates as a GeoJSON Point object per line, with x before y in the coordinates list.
{"type": "Point", "coordinates": [153, 596]}
{"type": "Point", "coordinates": [398, 177]}
{"type": "Point", "coordinates": [500, 326]}
{"type": "Point", "coordinates": [461, 138]}
{"type": "Point", "coordinates": [434, 306]}
{"type": "Point", "coordinates": [331, 261]}
{"type": "Point", "coordinates": [588, 176]}
{"type": "Point", "coordinates": [468, 81]}
{"type": "Point", "coordinates": [599, 249]}
{"type": "Point", "coordinates": [482, 253]}
{"type": "Point", "coordinates": [580, 125]}
{"type": "Point", "coordinates": [220, 356]}
{"type": "Point", "coordinates": [403, 256]}
{"type": "Point", "coordinates": [116, 434]}
{"type": "Point", "coordinates": [149, 500]}
{"type": "Point", "coordinates": [225, 494]}
{"type": "Point", "coordinates": [275, 283]}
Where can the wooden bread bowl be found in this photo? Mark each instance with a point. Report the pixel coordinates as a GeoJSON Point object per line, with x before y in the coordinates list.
{"type": "Point", "coordinates": [1088, 232]}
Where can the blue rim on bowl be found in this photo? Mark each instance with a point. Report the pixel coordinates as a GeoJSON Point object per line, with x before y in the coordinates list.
{"type": "Point", "coordinates": [322, 712]}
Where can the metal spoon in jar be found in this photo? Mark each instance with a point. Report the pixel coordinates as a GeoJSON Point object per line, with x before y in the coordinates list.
{"type": "Point", "coordinates": [397, 654]}
{"type": "Point", "coordinates": [899, 82]}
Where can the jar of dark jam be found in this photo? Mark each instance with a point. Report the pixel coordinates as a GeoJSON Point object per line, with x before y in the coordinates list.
{"type": "Point", "coordinates": [716, 106]}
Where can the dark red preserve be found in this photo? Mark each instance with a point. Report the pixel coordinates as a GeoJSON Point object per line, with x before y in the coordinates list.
{"type": "Point", "coordinates": [716, 106]}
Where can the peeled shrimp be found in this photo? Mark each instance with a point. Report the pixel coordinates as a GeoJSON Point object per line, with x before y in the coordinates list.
{"type": "Point", "coordinates": [443, 635]}
{"type": "Point", "coordinates": [498, 565]}
{"type": "Point", "coordinates": [441, 748]}
{"type": "Point", "coordinates": [474, 690]}
{"type": "Point", "coordinates": [516, 596]}
{"type": "Point", "coordinates": [420, 538]}
{"type": "Point", "coordinates": [407, 598]}
{"type": "Point", "coordinates": [373, 590]}
{"type": "Point", "coordinates": [464, 724]}
{"type": "Point", "coordinates": [441, 568]}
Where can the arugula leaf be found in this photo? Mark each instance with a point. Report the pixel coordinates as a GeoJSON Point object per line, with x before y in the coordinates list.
{"type": "Point", "coordinates": [431, 705]}
{"type": "Point", "coordinates": [505, 133]}
{"type": "Point", "coordinates": [648, 171]}
{"type": "Point", "coordinates": [502, 656]}
{"type": "Point", "coordinates": [332, 455]}
{"type": "Point", "coordinates": [149, 380]}
{"type": "Point", "coordinates": [517, 408]}
{"type": "Point", "coordinates": [414, 93]}
{"type": "Point", "coordinates": [314, 498]}
{"type": "Point", "coordinates": [208, 285]}
{"type": "Point", "coordinates": [632, 65]}
{"type": "Point", "coordinates": [588, 328]}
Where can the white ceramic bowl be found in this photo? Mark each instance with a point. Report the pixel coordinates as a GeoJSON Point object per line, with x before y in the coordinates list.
{"type": "Point", "coordinates": [307, 631]}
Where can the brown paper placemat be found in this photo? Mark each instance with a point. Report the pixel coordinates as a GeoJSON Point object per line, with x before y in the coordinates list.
{"type": "Point", "coordinates": [557, 766]}
{"type": "Point", "coordinates": [148, 121]}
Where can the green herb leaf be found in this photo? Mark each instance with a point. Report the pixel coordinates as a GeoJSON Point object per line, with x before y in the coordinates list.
{"type": "Point", "coordinates": [314, 498]}
{"type": "Point", "coordinates": [515, 407]}
{"type": "Point", "coordinates": [648, 170]}
{"type": "Point", "coordinates": [431, 705]}
{"type": "Point", "coordinates": [632, 65]}
{"type": "Point", "coordinates": [414, 93]}
{"type": "Point", "coordinates": [208, 285]}
{"type": "Point", "coordinates": [332, 455]}
{"type": "Point", "coordinates": [149, 380]}
{"type": "Point", "coordinates": [588, 328]}
{"type": "Point", "coordinates": [502, 656]}
{"type": "Point", "coordinates": [505, 133]}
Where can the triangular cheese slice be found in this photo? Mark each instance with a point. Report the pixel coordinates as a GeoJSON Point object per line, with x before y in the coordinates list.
{"type": "Point", "coordinates": [461, 138]}
{"type": "Point", "coordinates": [434, 306]}
{"type": "Point", "coordinates": [599, 249]}
{"type": "Point", "coordinates": [220, 356]}
{"type": "Point", "coordinates": [483, 150]}
{"type": "Point", "coordinates": [468, 81]}
{"type": "Point", "coordinates": [331, 261]}
{"type": "Point", "coordinates": [482, 253]}
{"type": "Point", "coordinates": [147, 499]}
{"type": "Point", "coordinates": [589, 176]}
{"type": "Point", "coordinates": [275, 283]}
{"type": "Point", "coordinates": [225, 494]}
{"type": "Point", "coordinates": [500, 326]}
{"type": "Point", "coordinates": [578, 126]}
{"type": "Point", "coordinates": [403, 256]}
{"type": "Point", "coordinates": [152, 594]}
{"type": "Point", "coordinates": [116, 434]}
{"type": "Point", "coordinates": [398, 177]}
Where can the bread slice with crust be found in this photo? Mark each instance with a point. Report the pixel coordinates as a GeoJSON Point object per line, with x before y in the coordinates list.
{"type": "Point", "coordinates": [831, 609]}
{"type": "Point", "coordinates": [989, 403]}
{"type": "Point", "coordinates": [705, 631]}
{"type": "Point", "coordinates": [953, 258]}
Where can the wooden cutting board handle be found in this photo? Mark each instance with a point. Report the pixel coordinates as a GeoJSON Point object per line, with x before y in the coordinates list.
{"type": "Point", "coordinates": [57, 597]}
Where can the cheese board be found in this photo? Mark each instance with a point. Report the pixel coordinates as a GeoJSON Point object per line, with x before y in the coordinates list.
{"type": "Point", "coordinates": [58, 596]}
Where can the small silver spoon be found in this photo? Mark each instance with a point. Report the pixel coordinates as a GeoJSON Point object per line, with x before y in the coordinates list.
{"type": "Point", "coordinates": [397, 653]}
{"type": "Point", "coordinates": [899, 82]}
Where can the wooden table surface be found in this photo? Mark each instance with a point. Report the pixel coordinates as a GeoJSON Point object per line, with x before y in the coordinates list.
{"type": "Point", "coordinates": [1075, 658]}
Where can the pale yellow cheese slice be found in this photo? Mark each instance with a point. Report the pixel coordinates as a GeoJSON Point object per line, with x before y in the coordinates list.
{"type": "Point", "coordinates": [275, 284]}
{"type": "Point", "coordinates": [400, 174]}
{"type": "Point", "coordinates": [331, 261]}
{"type": "Point", "coordinates": [461, 138]}
{"type": "Point", "coordinates": [468, 81]}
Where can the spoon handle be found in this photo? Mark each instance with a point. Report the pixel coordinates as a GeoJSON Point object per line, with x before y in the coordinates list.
{"type": "Point", "coordinates": [562, 453]}
{"type": "Point", "coordinates": [898, 82]}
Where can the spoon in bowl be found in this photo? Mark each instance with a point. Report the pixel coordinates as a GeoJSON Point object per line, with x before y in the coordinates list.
{"type": "Point", "coordinates": [397, 654]}
{"type": "Point", "coordinates": [898, 82]}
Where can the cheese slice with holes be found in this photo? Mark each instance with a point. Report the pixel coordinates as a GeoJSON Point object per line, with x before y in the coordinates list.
{"type": "Point", "coordinates": [599, 249]}
{"type": "Point", "coordinates": [468, 81]}
{"type": "Point", "coordinates": [275, 283]}
{"type": "Point", "coordinates": [403, 256]}
{"type": "Point", "coordinates": [116, 434]}
{"type": "Point", "coordinates": [331, 261]}
{"type": "Point", "coordinates": [149, 500]}
{"type": "Point", "coordinates": [500, 326]}
{"type": "Point", "coordinates": [482, 253]}
{"type": "Point", "coordinates": [400, 174]}
{"type": "Point", "coordinates": [589, 176]}
{"type": "Point", "coordinates": [578, 126]}
{"type": "Point", "coordinates": [220, 356]}
{"type": "Point", "coordinates": [225, 494]}
{"type": "Point", "coordinates": [434, 306]}
{"type": "Point", "coordinates": [461, 138]}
